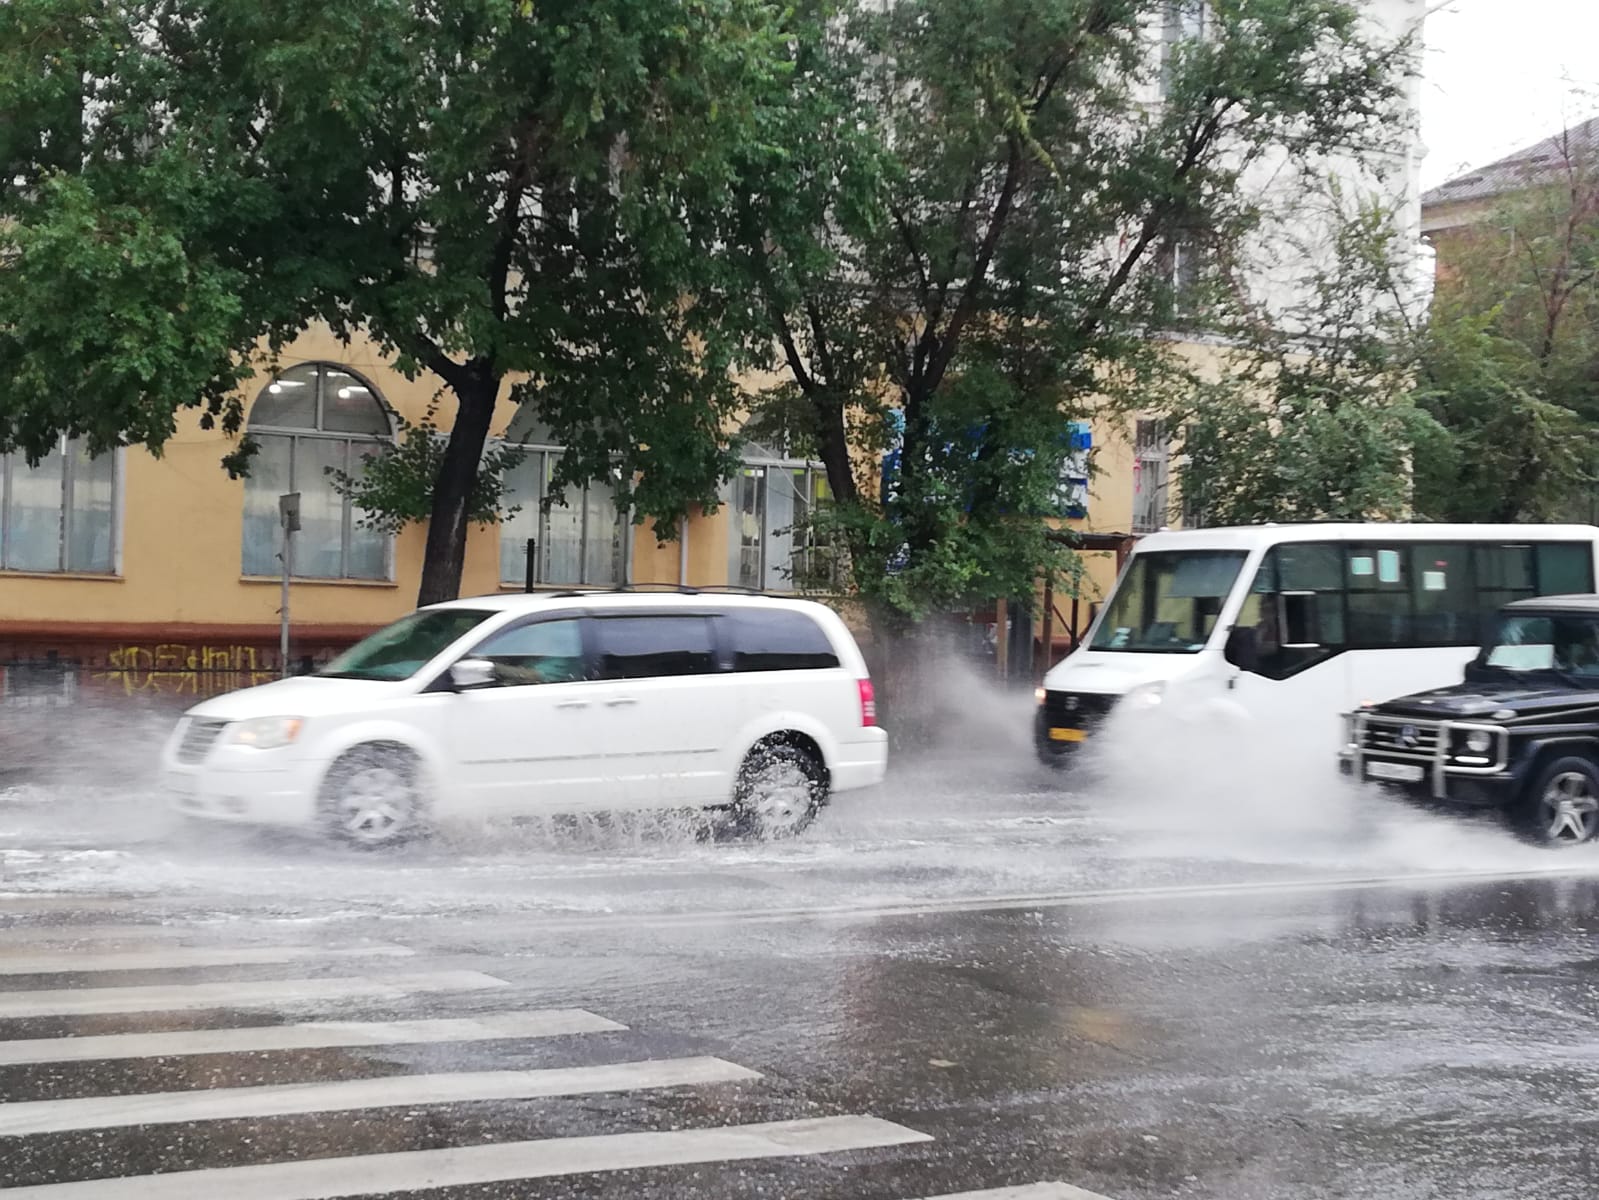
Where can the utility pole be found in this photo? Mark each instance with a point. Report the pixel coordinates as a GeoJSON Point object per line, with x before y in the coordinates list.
{"type": "Point", "coordinates": [289, 519]}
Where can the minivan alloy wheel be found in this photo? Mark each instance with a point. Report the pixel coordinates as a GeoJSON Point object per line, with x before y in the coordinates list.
{"type": "Point", "coordinates": [779, 790]}
{"type": "Point", "coordinates": [370, 797]}
{"type": "Point", "coordinates": [1569, 808]}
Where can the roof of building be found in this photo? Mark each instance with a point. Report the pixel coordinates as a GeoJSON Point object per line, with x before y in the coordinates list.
{"type": "Point", "coordinates": [1536, 163]}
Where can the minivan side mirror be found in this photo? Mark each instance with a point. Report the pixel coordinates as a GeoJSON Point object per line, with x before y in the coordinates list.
{"type": "Point", "coordinates": [472, 673]}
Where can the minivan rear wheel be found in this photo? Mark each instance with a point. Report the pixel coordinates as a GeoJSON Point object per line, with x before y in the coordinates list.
{"type": "Point", "coordinates": [371, 797]}
{"type": "Point", "coordinates": [779, 791]}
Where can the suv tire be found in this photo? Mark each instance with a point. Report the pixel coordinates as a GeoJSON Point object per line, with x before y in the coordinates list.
{"type": "Point", "coordinates": [779, 791]}
{"type": "Point", "coordinates": [371, 797]}
{"type": "Point", "coordinates": [1561, 808]}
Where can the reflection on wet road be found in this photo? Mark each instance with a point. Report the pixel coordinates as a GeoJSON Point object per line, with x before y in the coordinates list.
{"type": "Point", "coordinates": [977, 982]}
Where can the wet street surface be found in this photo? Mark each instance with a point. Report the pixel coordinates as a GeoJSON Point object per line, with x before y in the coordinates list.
{"type": "Point", "coordinates": [981, 980]}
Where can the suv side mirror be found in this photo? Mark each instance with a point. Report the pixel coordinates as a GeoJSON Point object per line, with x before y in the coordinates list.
{"type": "Point", "coordinates": [472, 673]}
{"type": "Point", "coordinates": [1301, 621]}
{"type": "Point", "coordinates": [1241, 649]}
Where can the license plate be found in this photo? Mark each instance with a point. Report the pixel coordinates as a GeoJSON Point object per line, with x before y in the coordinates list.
{"type": "Point", "coordinates": [1396, 772]}
{"type": "Point", "coordinates": [1067, 735]}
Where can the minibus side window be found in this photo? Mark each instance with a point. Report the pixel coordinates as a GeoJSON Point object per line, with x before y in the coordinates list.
{"type": "Point", "coordinates": [1447, 610]}
{"type": "Point", "coordinates": [1293, 617]}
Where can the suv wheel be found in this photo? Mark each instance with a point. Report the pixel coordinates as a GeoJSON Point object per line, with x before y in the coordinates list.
{"type": "Point", "coordinates": [779, 791]}
{"type": "Point", "coordinates": [1562, 806]}
{"type": "Point", "coordinates": [371, 797]}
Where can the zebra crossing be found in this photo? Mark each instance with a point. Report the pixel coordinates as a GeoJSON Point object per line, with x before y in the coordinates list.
{"type": "Point", "coordinates": [102, 1029]}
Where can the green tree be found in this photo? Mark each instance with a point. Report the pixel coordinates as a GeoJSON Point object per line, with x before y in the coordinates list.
{"type": "Point", "coordinates": [1309, 412]}
{"type": "Point", "coordinates": [990, 211]}
{"type": "Point", "coordinates": [1511, 358]}
{"type": "Point", "coordinates": [508, 195]}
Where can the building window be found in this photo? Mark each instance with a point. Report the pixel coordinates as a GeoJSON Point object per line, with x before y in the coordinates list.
{"type": "Point", "coordinates": [60, 515]}
{"type": "Point", "coordinates": [1151, 460]}
{"type": "Point", "coordinates": [1182, 21]}
{"type": "Point", "coordinates": [580, 541]}
{"type": "Point", "coordinates": [1181, 262]}
{"type": "Point", "coordinates": [311, 420]}
{"type": "Point", "coordinates": [773, 547]}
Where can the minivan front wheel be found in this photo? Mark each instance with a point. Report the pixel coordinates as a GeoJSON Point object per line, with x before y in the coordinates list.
{"type": "Point", "coordinates": [371, 797]}
{"type": "Point", "coordinates": [780, 789]}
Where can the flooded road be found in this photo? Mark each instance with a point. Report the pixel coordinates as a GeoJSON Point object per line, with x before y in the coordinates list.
{"type": "Point", "coordinates": [983, 978]}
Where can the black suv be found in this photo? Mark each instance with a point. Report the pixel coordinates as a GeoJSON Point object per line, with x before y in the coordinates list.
{"type": "Point", "coordinates": [1520, 733]}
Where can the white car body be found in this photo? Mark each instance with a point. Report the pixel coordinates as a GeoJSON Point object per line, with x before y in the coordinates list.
{"type": "Point", "coordinates": [673, 740]}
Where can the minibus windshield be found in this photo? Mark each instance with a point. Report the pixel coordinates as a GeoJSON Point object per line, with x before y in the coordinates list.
{"type": "Point", "coordinates": [1168, 601]}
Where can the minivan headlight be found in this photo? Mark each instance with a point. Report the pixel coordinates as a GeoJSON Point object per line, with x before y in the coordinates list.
{"type": "Point", "coordinates": [267, 733]}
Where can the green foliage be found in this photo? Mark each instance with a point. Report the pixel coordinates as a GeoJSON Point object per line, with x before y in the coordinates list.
{"type": "Point", "coordinates": [394, 487]}
{"type": "Point", "coordinates": [1310, 416]}
{"type": "Point", "coordinates": [962, 216]}
{"type": "Point", "coordinates": [493, 191]}
{"type": "Point", "coordinates": [1510, 361]}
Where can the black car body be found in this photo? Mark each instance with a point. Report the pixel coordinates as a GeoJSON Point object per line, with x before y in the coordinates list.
{"type": "Point", "coordinates": [1520, 732]}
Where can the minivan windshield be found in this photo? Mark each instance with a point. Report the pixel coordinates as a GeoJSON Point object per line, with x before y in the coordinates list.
{"type": "Point", "coordinates": [1565, 645]}
{"type": "Point", "coordinates": [1168, 601]}
{"type": "Point", "coordinates": [405, 647]}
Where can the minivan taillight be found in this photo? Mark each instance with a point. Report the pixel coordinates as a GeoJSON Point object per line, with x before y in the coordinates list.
{"type": "Point", "coordinates": [868, 704]}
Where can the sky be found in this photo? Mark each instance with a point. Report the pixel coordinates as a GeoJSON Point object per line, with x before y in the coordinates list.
{"type": "Point", "coordinates": [1499, 75]}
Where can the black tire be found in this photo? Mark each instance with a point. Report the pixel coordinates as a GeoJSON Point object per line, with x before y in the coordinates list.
{"type": "Point", "coordinates": [1560, 807]}
{"type": "Point", "coordinates": [371, 797]}
{"type": "Point", "coordinates": [779, 791]}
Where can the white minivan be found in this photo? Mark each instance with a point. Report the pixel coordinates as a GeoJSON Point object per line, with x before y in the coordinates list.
{"type": "Point", "coordinates": [541, 703]}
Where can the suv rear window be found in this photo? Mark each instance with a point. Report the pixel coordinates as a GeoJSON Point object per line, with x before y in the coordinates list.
{"type": "Point", "coordinates": [777, 640]}
{"type": "Point", "coordinates": [650, 647]}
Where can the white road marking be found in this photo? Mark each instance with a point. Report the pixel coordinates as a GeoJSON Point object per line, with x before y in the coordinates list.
{"type": "Point", "coordinates": [330, 1178]}
{"type": "Point", "coordinates": [310, 1035]}
{"type": "Point", "coordinates": [264, 993]}
{"type": "Point", "coordinates": [75, 962]}
{"type": "Point", "coordinates": [1031, 1191]}
{"type": "Point", "coordinates": [71, 935]}
{"type": "Point", "coordinates": [216, 1104]}
{"type": "Point", "coordinates": [1048, 900]}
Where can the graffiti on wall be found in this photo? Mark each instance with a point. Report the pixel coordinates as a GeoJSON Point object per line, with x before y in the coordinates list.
{"type": "Point", "coordinates": [178, 669]}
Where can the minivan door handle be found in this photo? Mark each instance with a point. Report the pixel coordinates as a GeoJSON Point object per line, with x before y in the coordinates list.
{"type": "Point", "coordinates": [572, 704]}
{"type": "Point", "coordinates": [619, 701]}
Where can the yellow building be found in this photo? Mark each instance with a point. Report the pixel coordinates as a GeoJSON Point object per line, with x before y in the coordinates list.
{"type": "Point", "coordinates": [160, 574]}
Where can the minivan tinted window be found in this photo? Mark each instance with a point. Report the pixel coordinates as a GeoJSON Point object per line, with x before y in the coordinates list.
{"type": "Point", "coordinates": [648, 647]}
{"type": "Point", "coordinates": [777, 640]}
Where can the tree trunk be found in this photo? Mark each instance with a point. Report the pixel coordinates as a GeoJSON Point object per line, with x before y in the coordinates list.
{"type": "Point", "coordinates": [445, 556]}
{"type": "Point", "coordinates": [835, 452]}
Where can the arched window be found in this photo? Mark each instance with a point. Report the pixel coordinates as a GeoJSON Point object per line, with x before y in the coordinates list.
{"type": "Point", "coordinates": [580, 541]}
{"type": "Point", "coordinates": [310, 420]}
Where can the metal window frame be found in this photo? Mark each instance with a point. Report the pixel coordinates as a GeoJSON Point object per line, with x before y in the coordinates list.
{"type": "Point", "coordinates": [622, 555]}
{"type": "Point", "coordinates": [297, 434]}
{"type": "Point", "coordinates": [68, 448]}
{"type": "Point", "coordinates": [1151, 450]}
{"type": "Point", "coordinates": [767, 463]}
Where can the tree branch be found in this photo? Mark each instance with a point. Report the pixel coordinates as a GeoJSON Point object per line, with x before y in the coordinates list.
{"type": "Point", "coordinates": [908, 236]}
{"type": "Point", "coordinates": [971, 293]}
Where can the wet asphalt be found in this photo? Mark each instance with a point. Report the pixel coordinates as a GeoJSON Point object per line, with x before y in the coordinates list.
{"type": "Point", "coordinates": [1342, 998]}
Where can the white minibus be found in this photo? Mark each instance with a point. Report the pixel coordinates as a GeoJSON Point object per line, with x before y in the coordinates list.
{"type": "Point", "coordinates": [1289, 626]}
